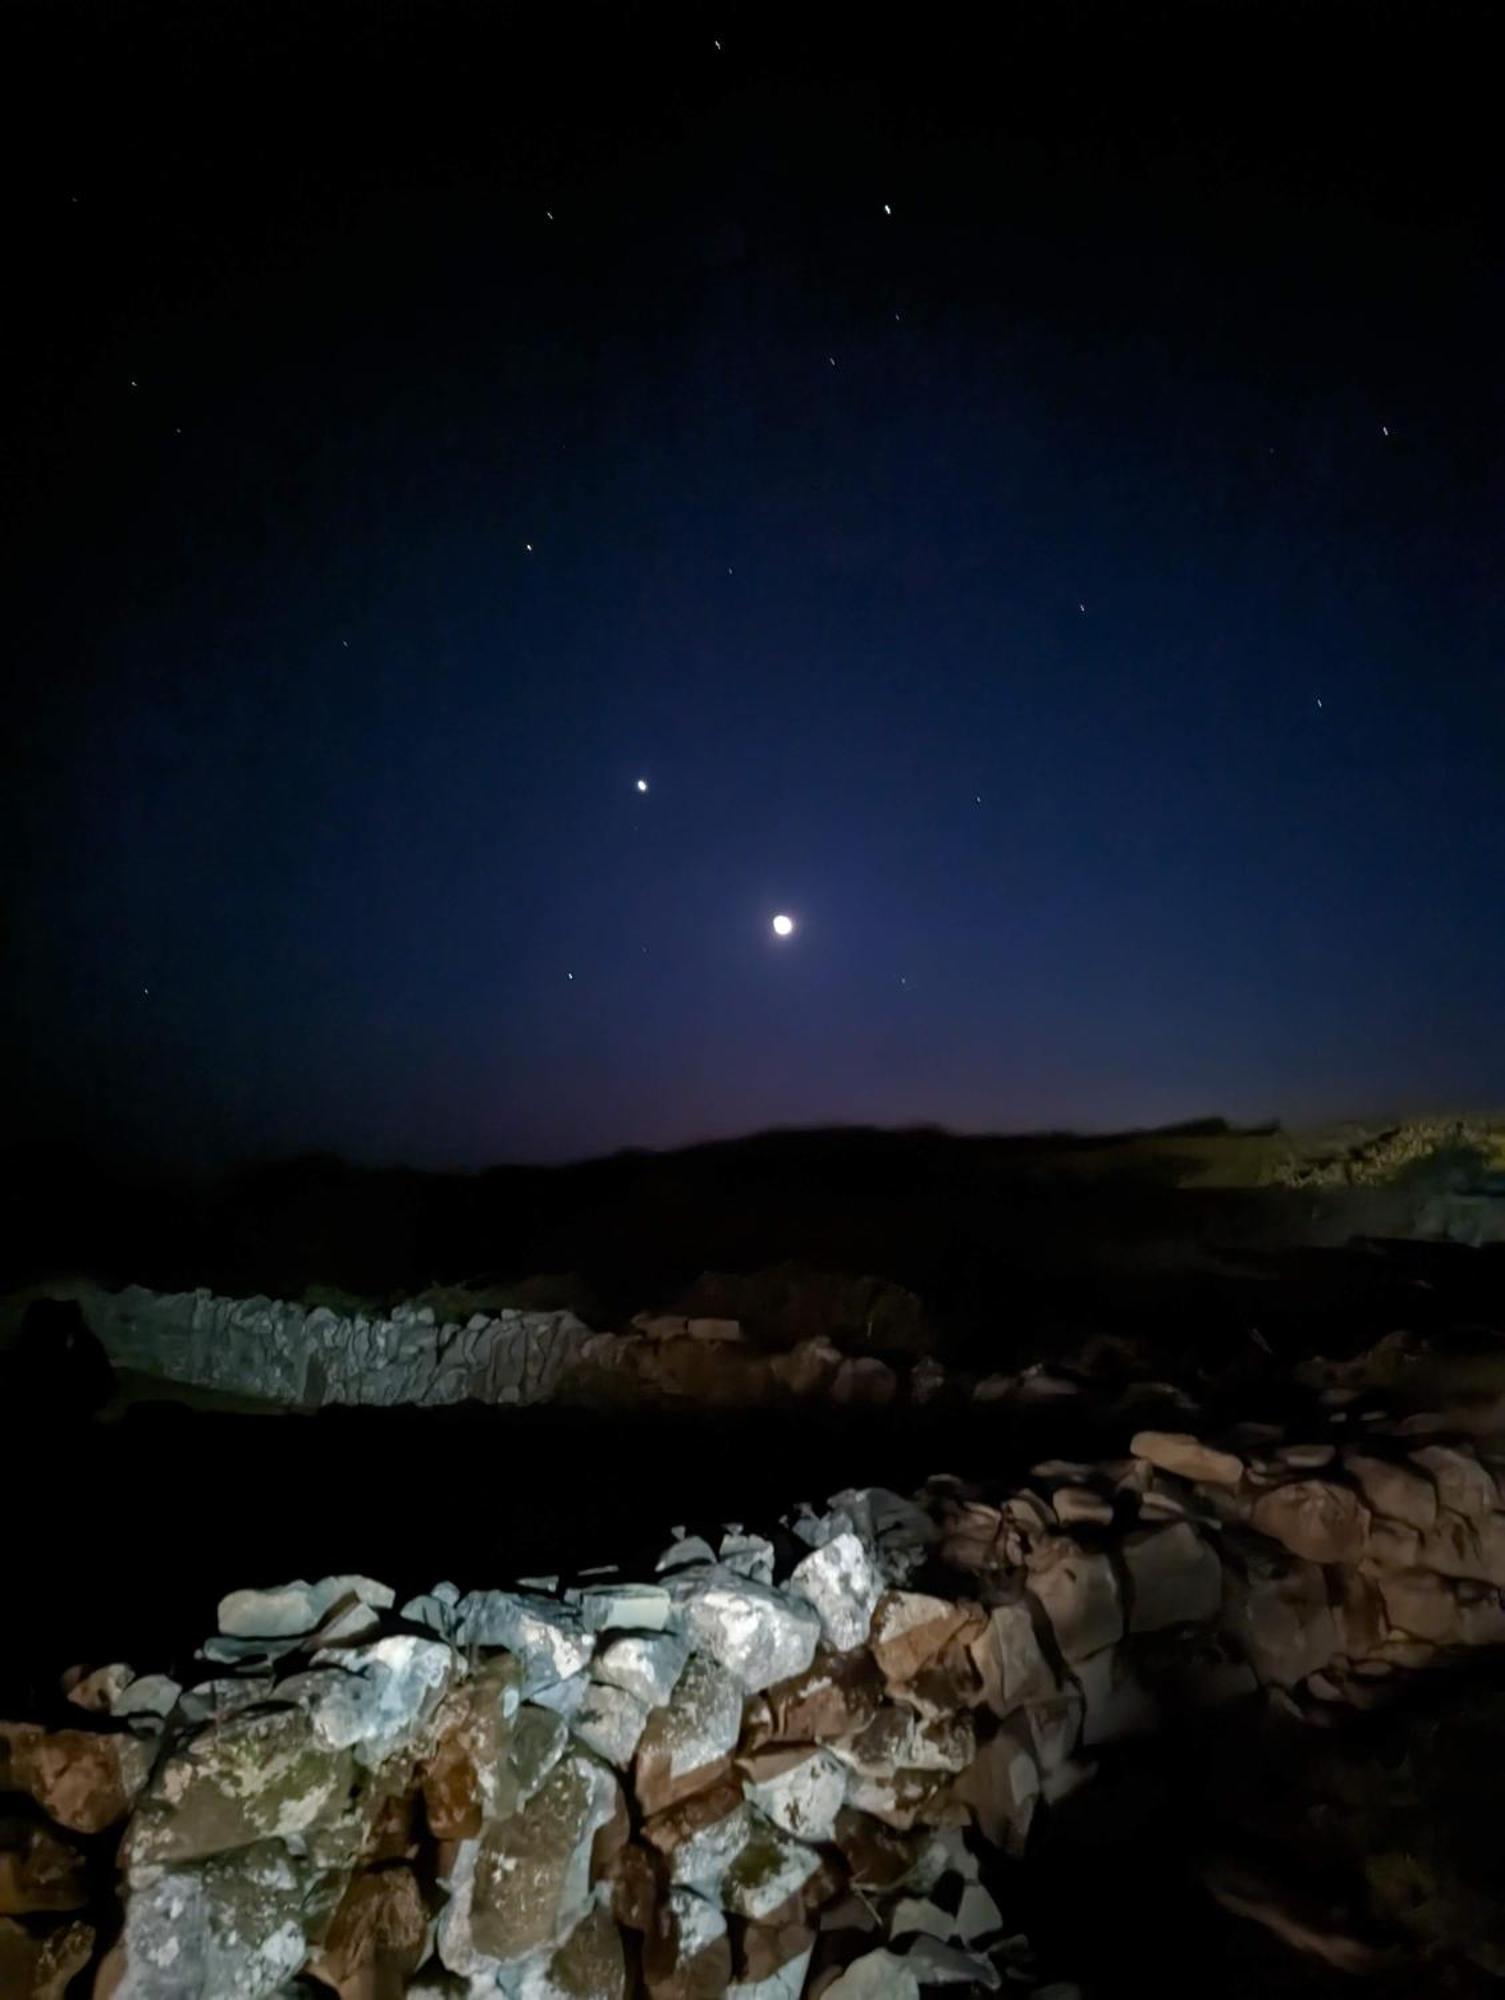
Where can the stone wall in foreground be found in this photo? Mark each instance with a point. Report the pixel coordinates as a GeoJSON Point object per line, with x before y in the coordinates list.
{"type": "Point", "coordinates": [309, 1356]}
{"type": "Point", "coordinates": [787, 1764]}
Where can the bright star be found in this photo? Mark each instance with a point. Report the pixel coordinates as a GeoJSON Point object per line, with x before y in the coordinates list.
{"type": "Point", "coordinates": [642, 784]}
{"type": "Point", "coordinates": [783, 926]}
{"type": "Point", "coordinates": [886, 209]}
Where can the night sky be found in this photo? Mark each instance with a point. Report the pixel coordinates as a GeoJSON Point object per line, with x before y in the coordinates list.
{"type": "Point", "coordinates": [1026, 498]}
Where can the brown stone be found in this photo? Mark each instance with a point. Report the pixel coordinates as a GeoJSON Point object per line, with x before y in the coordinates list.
{"type": "Point", "coordinates": [1080, 1594]}
{"type": "Point", "coordinates": [1360, 1615]}
{"type": "Point", "coordinates": [1188, 1457]}
{"type": "Point", "coordinates": [376, 1936]}
{"type": "Point", "coordinates": [1001, 1787]}
{"type": "Point", "coordinates": [688, 1954]}
{"type": "Point", "coordinates": [17, 1740]}
{"type": "Point", "coordinates": [532, 1871]}
{"type": "Point", "coordinates": [1462, 1483]}
{"type": "Point", "coordinates": [1394, 1545]}
{"type": "Point", "coordinates": [39, 1874]}
{"type": "Point", "coordinates": [1421, 1604]}
{"type": "Point", "coordinates": [877, 1856]}
{"type": "Point", "coordinates": [1467, 1548]}
{"type": "Point", "coordinates": [669, 1829]}
{"type": "Point", "coordinates": [1010, 1660]}
{"type": "Point", "coordinates": [1398, 1492]}
{"type": "Point", "coordinates": [635, 1888]}
{"type": "Point", "coordinates": [590, 1964]}
{"type": "Point", "coordinates": [687, 1744]}
{"type": "Point", "coordinates": [765, 1949]}
{"type": "Point", "coordinates": [910, 1631]}
{"type": "Point", "coordinates": [977, 1539]}
{"type": "Point", "coordinates": [836, 1696]}
{"type": "Point", "coordinates": [85, 1781]}
{"type": "Point", "coordinates": [42, 1968]}
{"type": "Point", "coordinates": [1314, 1519]}
{"type": "Point", "coordinates": [463, 1782]}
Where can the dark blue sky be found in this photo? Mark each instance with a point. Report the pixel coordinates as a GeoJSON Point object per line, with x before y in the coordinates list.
{"type": "Point", "coordinates": [1101, 660]}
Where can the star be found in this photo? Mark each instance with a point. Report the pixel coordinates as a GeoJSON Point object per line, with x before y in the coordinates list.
{"type": "Point", "coordinates": [886, 209]}
{"type": "Point", "coordinates": [1083, 609]}
{"type": "Point", "coordinates": [1384, 430]}
{"type": "Point", "coordinates": [642, 784]}
{"type": "Point", "coordinates": [528, 548]}
{"type": "Point", "coordinates": [569, 975]}
{"type": "Point", "coordinates": [830, 357]}
{"type": "Point", "coordinates": [549, 213]}
{"type": "Point", "coordinates": [783, 926]}
{"type": "Point", "coordinates": [1319, 701]}
{"type": "Point", "coordinates": [715, 45]}
{"type": "Point", "coordinates": [134, 383]}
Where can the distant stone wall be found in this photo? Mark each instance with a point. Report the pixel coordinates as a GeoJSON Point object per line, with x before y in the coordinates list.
{"type": "Point", "coordinates": [294, 1354]}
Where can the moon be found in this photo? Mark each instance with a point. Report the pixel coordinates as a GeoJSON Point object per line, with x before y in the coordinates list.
{"type": "Point", "coordinates": [783, 926]}
{"type": "Point", "coordinates": [642, 784]}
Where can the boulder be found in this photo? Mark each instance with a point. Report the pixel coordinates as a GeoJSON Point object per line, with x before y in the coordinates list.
{"type": "Point", "coordinates": [807, 1370]}
{"type": "Point", "coordinates": [83, 1780]}
{"type": "Point", "coordinates": [293, 1609]}
{"type": "Point", "coordinates": [1462, 1483]}
{"type": "Point", "coordinates": [40, 1875]}
{"type": "Point", "coordinates": [1080, 1594]}
{"type": "Point", "coordinates": [689, 1956]}
{"type": "Point", "coordinates": [589, 1965]}
{"type": "Point", "coordinates": [841, 1582]}
{"type": "Point", "coordinates": [911, 1631]}
{"type": "Point", "coordinates": [758, 1635]}
{"type": "Point", "coordinates": [1012, 1665]}
{"type": "Point", "coordinates": [877, 1975]}
{"type": "Point", "coordinates": [1001, 1787]}
{"type": "Point", "coordinates": [236, 1926]}
{"type": "Point", "coordinates": [835, 1697]}
{"type": "Point", "coordinates": [1314, 1519]}
{"type": "Point", "coordinates": [547, 1638]}
{"type": "Point", "coordinates": [376, 1937]}
{"type": "Point", "coordinates": [1398, 1492]}
{"type": "Point", "coordinates": [531, 1879]}
{"type": "Point", "coordinates": [42, 1968]}
{"type": "Point", "coordinates": [466, 1778]}
{"type": "Point", "coordinates": [1175, 1578]}
{"type": "Point", "coordinates": [864, 1380]}
{"type": "Point", "coordinates": [800, 1787]}
{"type": "Point", "coordinates": [261, 1776]}
{"type": "Point", "coordinates": [622, 1607]}
{"type": "Point", "coordinates": [374, 1700]}
{"type": "Point", "coordinates": [610, 1721]}
{"type": "Point", "coordinates": [1179, 1452]}
{"type": "Point", "coordinates": [686, 1744]}
{"type": "Point", "coordinates": [648, 1667]}
{"type": "Point", "coordinates": [744, 1864]}
{"type": "Point", "coordinates": [1281, 1617]}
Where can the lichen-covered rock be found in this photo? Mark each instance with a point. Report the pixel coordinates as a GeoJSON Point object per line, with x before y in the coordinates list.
{"type": "Point", "coordinates": [589, 1965]}
{"type": "Point", "coordinates": [744, 1864]}
{"type": "Point", "coordinates": [466, 1777]}
{"type": "Point", "coordinates": [610, 1721]}
{"type": "Point", "coordinates": [532, 1870]}
{"type": "Point", "coordinates": [376, 1936]}
{"type": "Point", "coordinates": [259, 1776]}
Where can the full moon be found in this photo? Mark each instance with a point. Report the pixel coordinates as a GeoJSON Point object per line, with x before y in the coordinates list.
{"type": "Point", "coordinates": [783, 926]}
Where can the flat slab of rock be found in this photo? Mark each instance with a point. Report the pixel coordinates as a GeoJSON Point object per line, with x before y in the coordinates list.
{"type": "Point", "coordinates": [1181, 1453]}
{"type": "Point", "coordinates": [293, 1609]}
{"type": "Point", "coordinates": [1315, 1519]}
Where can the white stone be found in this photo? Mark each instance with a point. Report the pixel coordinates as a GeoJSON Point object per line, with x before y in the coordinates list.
{"type": "Point", "coordinates": [149, 1694]}
{"type": "Point", "coordinates": [609, 1721]}
{"type": "Point", "coordinates": [622, 1607]}
{"type": "Point", "coordinates": [648, 1667]}
{"type": "Point", "coordinates": [843, 1584]}
{"type": "Point", "coordinates": [295, 1608]}
{"type": "Point", "coordinates": [787, 1982]}
{"type": "Point", "coordinates": [804, 1799]}
{"type": "Point", "coordinates": [878, 1975]}
{"type": "Point", "coordinates": [744, 1863]}
{"type": "Point", "coordinates": [547, 1638]}
{"type": "Point", "coordinates": [748, 1555]}
{"type": "Point", "coordinates": [374, 1699]}
{"type": "Point", "coordinates": [686, 1549]}
{"type": "Point", "coordinates": [756, 1633]}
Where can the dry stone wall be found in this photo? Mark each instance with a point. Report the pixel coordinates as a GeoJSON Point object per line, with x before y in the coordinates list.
{"type": "Point", "coordinates": [787, 1763]}
{"type": "Point", "coordinates": [309, 1356]}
